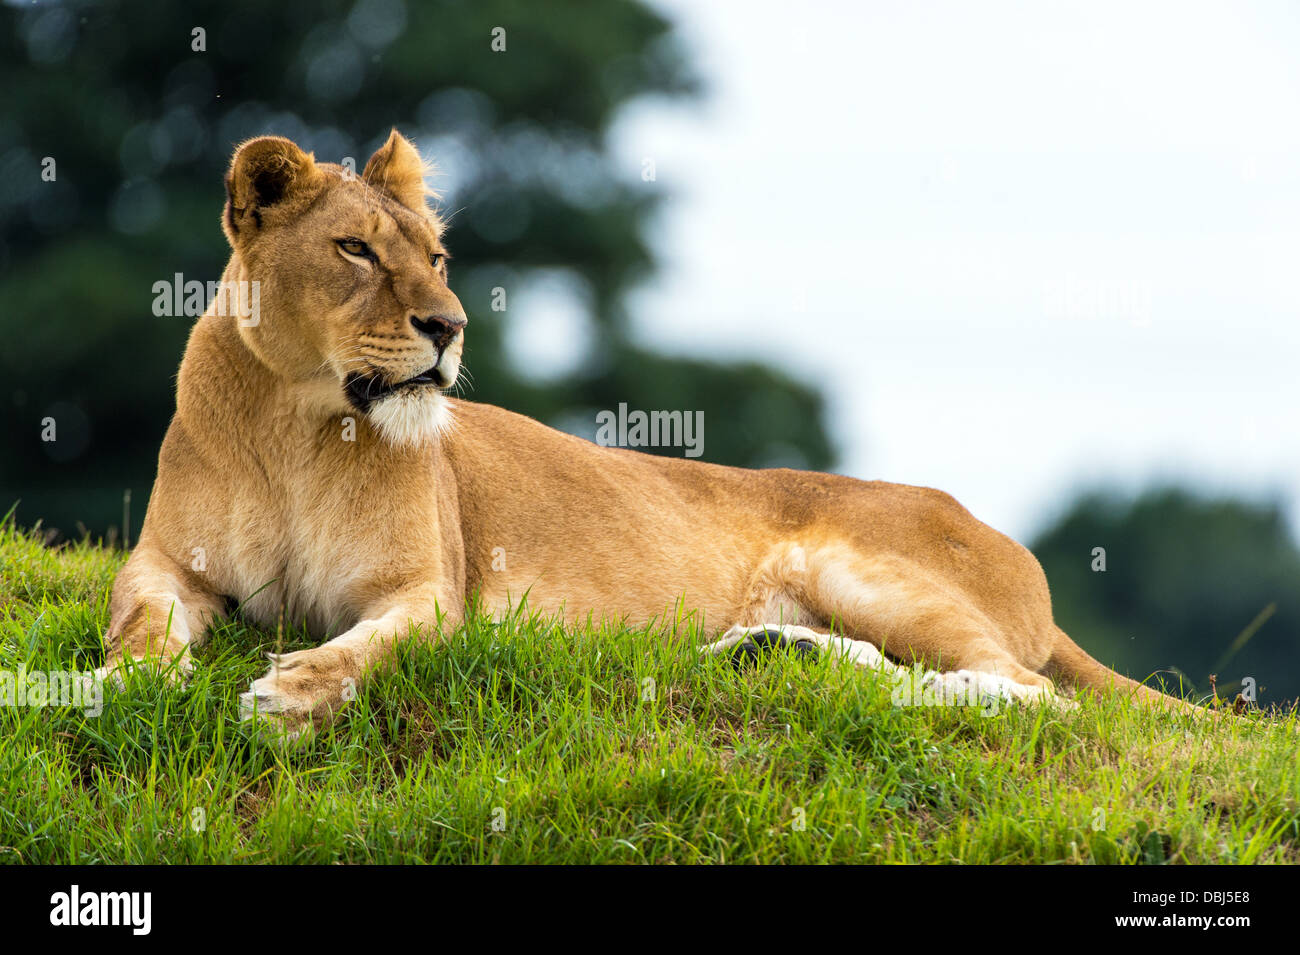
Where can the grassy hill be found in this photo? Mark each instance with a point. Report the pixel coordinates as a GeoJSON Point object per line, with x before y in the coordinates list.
{"type": "Point", "coordinates": [522, 742]}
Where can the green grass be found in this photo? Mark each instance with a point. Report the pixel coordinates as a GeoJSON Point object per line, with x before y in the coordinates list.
{"type": "Point", "coordinates": [554, 735]}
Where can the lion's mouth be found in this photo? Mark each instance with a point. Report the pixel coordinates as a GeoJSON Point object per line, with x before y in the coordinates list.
{"type": "Point", "coordinates": [363, 390]}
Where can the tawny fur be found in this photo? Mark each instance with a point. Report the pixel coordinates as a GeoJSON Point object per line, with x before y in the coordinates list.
{"type": "Point", "coordinates": [274, 490]}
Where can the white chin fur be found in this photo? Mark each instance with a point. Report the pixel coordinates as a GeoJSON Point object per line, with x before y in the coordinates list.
{"type": "Point", "coordinates": [411, 418]}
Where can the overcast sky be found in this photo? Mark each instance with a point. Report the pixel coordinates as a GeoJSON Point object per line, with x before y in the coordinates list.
{"type": "Point", "coordinates": [1025, 248]}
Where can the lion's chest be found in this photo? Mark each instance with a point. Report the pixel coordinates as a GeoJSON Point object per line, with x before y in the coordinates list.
{"type": "Point", "coordinates": [320, 552]}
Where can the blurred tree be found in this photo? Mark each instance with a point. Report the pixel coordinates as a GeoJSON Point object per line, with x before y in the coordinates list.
{"type": "Point", "coordinates": [1184, 578]}
{"type": "Point", "coordinates": [138, 105]}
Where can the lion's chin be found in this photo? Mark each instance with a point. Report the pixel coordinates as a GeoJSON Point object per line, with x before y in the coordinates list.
{"type": "Point", "coordinates": [411, 417]}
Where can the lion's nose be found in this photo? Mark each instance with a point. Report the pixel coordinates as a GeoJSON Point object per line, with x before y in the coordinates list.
{"type": "Point", "coordinates": [440, 329]}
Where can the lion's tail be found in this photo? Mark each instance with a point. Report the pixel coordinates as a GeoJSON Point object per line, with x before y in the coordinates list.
{"type": "Point", "coordinates": [1069, 664]}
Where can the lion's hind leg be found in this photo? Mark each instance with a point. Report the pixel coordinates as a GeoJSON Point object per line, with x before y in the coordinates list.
{"type": "Point", "coordinates": [880, 604]}
{"type": "Point", "coordinates": [746, 646]}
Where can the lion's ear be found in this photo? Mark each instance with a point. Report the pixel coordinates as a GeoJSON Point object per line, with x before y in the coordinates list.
{"type": "Point", "coordinates": [397, 169]}
{"type": "Point", "coordinates": [267, 173]}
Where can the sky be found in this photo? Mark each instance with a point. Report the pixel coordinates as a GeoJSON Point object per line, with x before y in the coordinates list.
{"type": "Point", "coordinates": [1024, 248]}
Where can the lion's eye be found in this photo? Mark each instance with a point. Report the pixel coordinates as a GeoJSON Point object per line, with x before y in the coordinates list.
{"type": "Point", "coordinates": [355, 247]}
{"type": "Point", "coordinates": [436, 259]}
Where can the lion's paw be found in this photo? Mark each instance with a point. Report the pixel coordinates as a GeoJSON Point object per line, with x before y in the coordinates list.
{"type": "Point", "coordinates": [299, 693]}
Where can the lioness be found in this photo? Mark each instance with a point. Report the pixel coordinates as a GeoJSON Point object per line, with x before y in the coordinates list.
{"type": "Point", "coordinates": [315, 470]}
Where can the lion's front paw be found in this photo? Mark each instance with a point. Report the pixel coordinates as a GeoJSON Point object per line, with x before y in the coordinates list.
{"type": "Point", "coordinates": [301, 691]}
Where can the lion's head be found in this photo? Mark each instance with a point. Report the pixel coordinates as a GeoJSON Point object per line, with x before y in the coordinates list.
{"type": "Point", "coordinates": [352, 281]}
